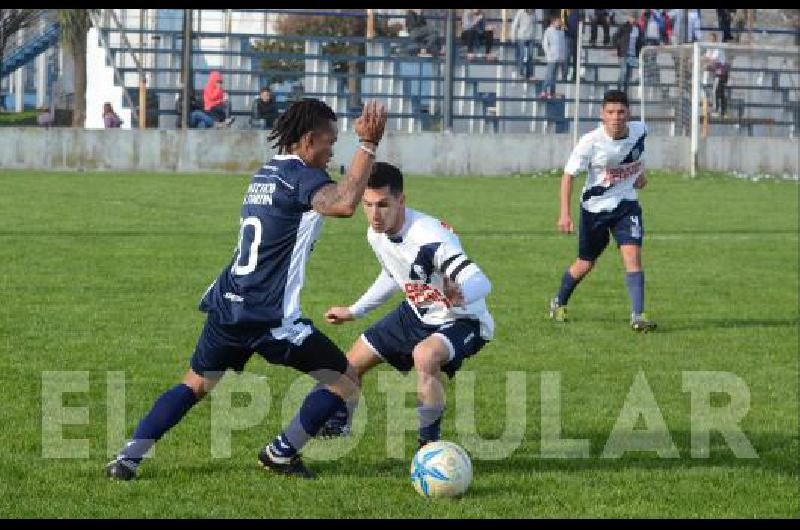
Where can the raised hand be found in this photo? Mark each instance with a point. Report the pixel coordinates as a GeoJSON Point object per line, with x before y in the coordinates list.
{"type": "Point", "coordinates": [372, 122]}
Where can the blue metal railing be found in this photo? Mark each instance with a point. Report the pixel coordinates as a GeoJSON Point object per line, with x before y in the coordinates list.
{"type": "Point", "coordinates": [30, 50]}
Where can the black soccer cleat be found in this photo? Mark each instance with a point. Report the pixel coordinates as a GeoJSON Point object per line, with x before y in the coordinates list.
{"type": "Point", "coordinates": [336, 426]}
{"type": "Point", "coordinates": [422, 443]}
{"type": "Point", "coordinates": [120, 469]}
{"type": "Point", "coordinates": [292, 466]}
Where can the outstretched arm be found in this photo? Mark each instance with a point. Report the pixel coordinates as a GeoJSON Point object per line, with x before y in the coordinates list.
{"type": "Point", "coordinates": [379, 293]}
{"type": "Point", "coordinates": [340, 199]}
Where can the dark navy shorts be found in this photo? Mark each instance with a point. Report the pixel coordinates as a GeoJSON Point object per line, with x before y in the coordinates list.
{"type": "Point", "coordinates": [224, 346]}
{"type": "Point", "coordinates": [624, 221]}
{"type": "Point", "coordinates": [394, 337]}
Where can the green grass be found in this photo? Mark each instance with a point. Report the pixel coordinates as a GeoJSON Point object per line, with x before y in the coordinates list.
{"type": "Point", "coordinates": [102, 272]}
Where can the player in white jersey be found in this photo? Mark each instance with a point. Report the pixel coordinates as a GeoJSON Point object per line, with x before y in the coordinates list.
{"type": "Point", "coordinates": [442, 320]}
{"type": "Point", "coordinates": [613, 156]}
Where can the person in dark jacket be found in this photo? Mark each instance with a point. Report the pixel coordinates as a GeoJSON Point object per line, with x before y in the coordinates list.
{"type": "Point", "coordinates": [264, 109]}
{"type": "Point", "coordinates": [628, 42]}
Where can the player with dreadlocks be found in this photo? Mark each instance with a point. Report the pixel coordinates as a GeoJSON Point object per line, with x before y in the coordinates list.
{"type": "Point", "coordinates": [254, 304]}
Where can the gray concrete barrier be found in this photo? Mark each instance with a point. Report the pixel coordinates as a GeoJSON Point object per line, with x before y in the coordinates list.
{"type": "Point", "coordinates": [438, 153]}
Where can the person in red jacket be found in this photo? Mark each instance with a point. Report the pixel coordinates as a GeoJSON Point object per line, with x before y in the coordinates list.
{"type": "Point", "coordinates": [214, 98]}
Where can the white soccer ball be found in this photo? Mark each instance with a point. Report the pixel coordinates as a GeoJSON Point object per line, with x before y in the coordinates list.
{"type": "Point", "coordinates": [441, 469]}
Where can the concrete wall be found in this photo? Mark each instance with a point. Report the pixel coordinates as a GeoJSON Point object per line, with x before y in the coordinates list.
{"type": "Point", "coordinates": [440, 153]}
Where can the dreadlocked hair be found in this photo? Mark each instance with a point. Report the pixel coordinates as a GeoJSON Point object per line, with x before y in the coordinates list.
{"type": "Point", "coordinates": [301, 117]}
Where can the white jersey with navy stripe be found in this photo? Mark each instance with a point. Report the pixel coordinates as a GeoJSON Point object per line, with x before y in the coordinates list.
{"type": "Point", "coordinates": [418, 258]}
{"type": "Point", "coordinates": [612, 165]}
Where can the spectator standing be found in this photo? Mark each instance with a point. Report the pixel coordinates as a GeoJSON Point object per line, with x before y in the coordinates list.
{"type": "Point", "coordinates": [693, 25]}
{"type": "Point", "coordinates": [600, 17]}
{"type": "Point", "coordinates": [522, 34]}
{"type": "Point", "coordinates": [555, 52]}
{"type": "Point", "coordinates": [628, 42]}
{"type": "Point", "coordinates": [724, 18]}
{"type": "Point", "coordinates": [717, 65]}
{"type": "Point", "coordinates": [571, 19]}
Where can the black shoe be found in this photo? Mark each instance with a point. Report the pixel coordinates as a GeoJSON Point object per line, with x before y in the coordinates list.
{"type": "Point", "coordinates": [422, 443]}
{"type": "Point", "coordinates": [292, 466]}
{"type": "Point", "coordinates": [336, 426]}
{"type": "Point", "coordinates": [119, 469]}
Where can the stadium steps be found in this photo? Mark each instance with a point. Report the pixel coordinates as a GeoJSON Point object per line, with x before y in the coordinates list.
{"type": "Point", "coordinates": [30, 50]}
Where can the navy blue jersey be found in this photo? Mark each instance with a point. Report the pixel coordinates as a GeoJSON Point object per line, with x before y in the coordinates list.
{"type": "Point", "coordinates": [277, 232]}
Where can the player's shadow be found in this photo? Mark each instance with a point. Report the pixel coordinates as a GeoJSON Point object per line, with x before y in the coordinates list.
{"type": "Point", "coordinates": [776, 453]}
{"type": "Point", "coordinates": [727, 323]}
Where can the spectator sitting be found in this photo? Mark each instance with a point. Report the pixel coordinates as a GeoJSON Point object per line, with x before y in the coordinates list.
{"type": "Point", "coordinates": [474, 31]}
{"type": "Point", "coordinates": [215, 98]}
{"type": "Point", "coordinates": [198, 118]}
{"type": "Point", "coordinates": [45, 117]}
{"type": "Point", "coordinates": [110, 118]}
{"type": "Point", "coordinates": [264, 110]}
{"type": "Point", "coordinates": [420, 33]}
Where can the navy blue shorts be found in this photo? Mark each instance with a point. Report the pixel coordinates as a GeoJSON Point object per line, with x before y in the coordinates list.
{"type": "Point", "coordinates": [624, 221]}
{"type": "Point", "coordinates": [224, 346]}
{"type": "Point", "coordinates": [394, 337]}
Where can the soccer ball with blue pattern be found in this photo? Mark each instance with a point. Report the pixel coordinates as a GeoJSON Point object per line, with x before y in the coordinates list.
{"type": "Point", "coordinates": [441, 469]}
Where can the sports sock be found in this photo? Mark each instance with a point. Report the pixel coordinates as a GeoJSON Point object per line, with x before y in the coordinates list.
{"type": "Point", "coordinates": [635, 283]}
{"type": "Point", "coordinates": [430, 421]}
{"type": "Point", "coordinates": [166, 412]}
{"type": "Point", "coordinates": [568, 284]}
{"type": "Point", "coordinates": [319, 405]}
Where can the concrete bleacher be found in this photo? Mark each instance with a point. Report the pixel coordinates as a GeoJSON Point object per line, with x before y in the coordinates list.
{"type": "Point", "coordinates": [487, 94]}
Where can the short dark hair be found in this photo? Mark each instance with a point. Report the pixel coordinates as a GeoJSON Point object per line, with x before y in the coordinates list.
{"type": "Point", "coordinates": [615, 96]}
{"type": "Point", "coordinates": [264, 89]}
{"type": "Point", "coordinates": [302, 116]}
{"type": "Point", "coordinates": [385, 174]}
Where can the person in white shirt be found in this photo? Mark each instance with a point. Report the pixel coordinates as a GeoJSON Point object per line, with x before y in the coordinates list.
{"type": "Point", "coordinates": [613, 156]}
{"type": "Point", "coordinates": [522, 34]}
{"type": "Point", "coordinates": [554, 44]}
{"type": "Point", "coordinates": [443, 318]}
{"type": "Point", "coordinates": [717, 65]}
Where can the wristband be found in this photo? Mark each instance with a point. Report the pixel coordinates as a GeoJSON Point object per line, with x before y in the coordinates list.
{"type": "Point", "coordinates": [366, 150]}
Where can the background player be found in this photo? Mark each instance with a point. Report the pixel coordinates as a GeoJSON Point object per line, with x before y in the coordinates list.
{"type": "Point", "coordinates": [613, 155]}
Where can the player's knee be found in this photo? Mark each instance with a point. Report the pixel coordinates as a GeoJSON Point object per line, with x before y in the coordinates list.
{"type": "Point", "coordinates": [200, 385]}
{"type": "Point", "coordinates": [348, 385]}
{"type": "Point", "coordinates": [425, 358]}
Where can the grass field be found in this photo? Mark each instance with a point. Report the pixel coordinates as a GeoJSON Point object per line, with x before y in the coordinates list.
{"type": "Point", "coordinates": [102, 272]}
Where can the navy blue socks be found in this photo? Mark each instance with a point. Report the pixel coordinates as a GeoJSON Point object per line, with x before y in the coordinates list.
{"type": "Point", "coordinates": [166, 412]}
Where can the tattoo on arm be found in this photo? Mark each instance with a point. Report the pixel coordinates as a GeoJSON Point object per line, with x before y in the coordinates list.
{"type": "Point", "coordinates": [335, 199]}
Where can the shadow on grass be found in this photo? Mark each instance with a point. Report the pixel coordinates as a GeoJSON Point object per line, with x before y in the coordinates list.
{"type": "Point", "coordinates": [777, 453]}
{"type": "Point", "coordinates": [729, 323]}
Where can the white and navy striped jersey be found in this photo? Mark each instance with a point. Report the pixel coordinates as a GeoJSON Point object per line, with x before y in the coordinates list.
{"type": "Point", "coordinates": [418, 257]}
{"type": "Point", "coordinates": [613, 166]}
{"type": "Point", "coordinates": [278, 229]}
